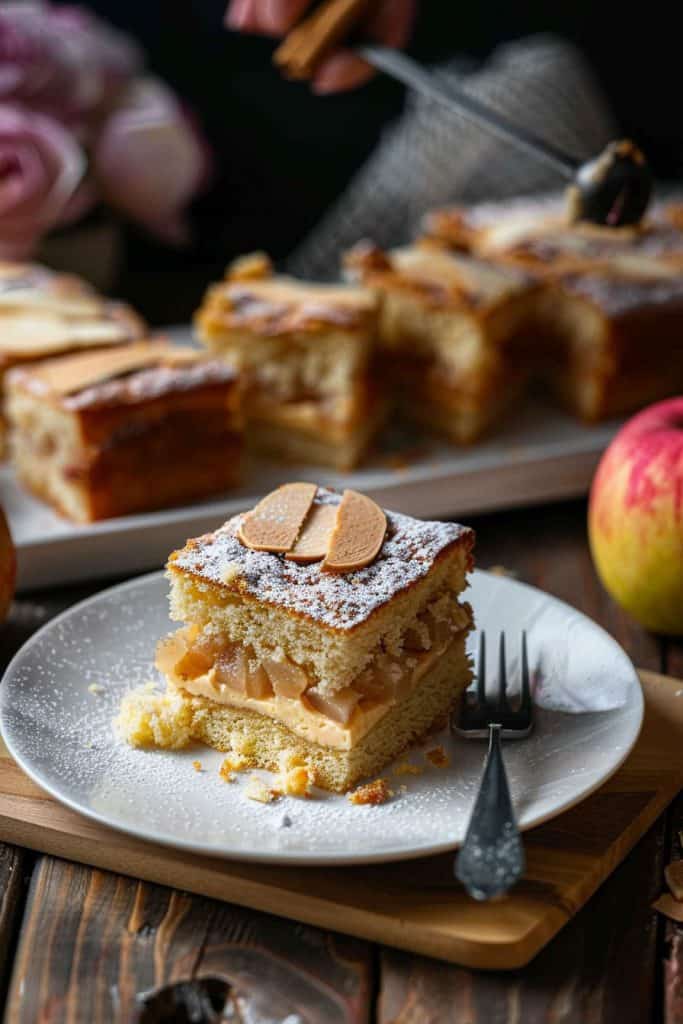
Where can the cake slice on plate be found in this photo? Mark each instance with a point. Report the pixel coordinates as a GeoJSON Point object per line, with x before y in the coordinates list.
{"type": "Point", "coordinates": [318, 628]}
{"type": "Point", "coordinates": [125, 429]}
{"type": "Point", "coordinates": [306, 351]}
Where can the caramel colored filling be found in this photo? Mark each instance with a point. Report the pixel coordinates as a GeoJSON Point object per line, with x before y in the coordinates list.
{"type": "Point", "coordinates": [230, 674]}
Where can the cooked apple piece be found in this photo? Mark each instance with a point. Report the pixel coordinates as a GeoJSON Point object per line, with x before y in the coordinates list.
{"type": "Point", "coordinates": [338, 706]}
{"type": "Point", "coordinates": [258, 683]}
{"type": "Point", "coordinates": [287, 678]}
{"type": "Point", "coordinates": [231, 668]}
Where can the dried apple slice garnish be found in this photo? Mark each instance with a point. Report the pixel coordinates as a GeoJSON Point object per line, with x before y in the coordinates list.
{"type": "Point", "coordinates": [314, 538]}
{"type": "Point", "coordinates": [357, 536]}
{"type": "Point", "coordinates": [274, 524]}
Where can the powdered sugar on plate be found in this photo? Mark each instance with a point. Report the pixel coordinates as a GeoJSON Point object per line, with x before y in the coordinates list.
{"type": "Point", "coordinates": [61, 732]}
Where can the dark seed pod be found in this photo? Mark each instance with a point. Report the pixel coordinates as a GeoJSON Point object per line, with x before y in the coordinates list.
{"type": "Point", "coordinates": [613, 189]}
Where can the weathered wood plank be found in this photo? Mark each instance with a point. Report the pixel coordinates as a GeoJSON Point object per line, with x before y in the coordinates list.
{"type": "Point", "coordinates": [599, 969]}
{"type": "Point", "coordinates": [97, 948]}
{"type": "Point", "coordinates": [672, 933]}
{"type": "Point", "coordinates": [602, 967]}
{"type": "Point", "coordinates": [13, 864]}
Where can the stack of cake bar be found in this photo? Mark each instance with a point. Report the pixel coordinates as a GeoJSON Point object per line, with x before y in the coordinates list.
{"type": "Point", "coordinates": [316, 626]}
{"type": "Point", "coordinates": [487, 302]}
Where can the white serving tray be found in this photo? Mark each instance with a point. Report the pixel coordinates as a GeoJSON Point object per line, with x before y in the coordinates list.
{"type": "Point", "coordinates": [539, 454]}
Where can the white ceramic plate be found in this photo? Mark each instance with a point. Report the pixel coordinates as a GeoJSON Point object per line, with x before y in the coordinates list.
{"type": "Point", "coordinates": [539, 454]}
{"type": "Point", "coordinates": [590, 713]}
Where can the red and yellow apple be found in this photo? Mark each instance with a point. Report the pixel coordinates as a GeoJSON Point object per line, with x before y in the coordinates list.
{"type": "Point", "coordinates": [8, 567]}
{"type": "Point", "coordinates": [635, 517]}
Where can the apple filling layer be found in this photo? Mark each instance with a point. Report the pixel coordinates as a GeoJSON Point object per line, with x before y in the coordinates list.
{"type": "Point", "coordinates": [227, 673]}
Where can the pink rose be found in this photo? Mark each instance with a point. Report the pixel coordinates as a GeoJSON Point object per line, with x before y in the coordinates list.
{"type": "Point", "coordinates": [41, 179]}
{"type": "Point", "coordinates": [62, 60]}
{"type": "Point", "coordinates": [149, 161]}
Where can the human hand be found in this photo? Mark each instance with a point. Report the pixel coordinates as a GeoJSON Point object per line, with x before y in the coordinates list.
{"type": "Point", "coordinates": [390, 23]}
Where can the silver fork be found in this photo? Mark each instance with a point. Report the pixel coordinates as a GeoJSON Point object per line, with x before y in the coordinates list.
{"type": "Point", "coordinates": [491, 859]}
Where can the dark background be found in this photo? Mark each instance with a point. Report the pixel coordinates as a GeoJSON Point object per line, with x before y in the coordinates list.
{"type": "Point", "coordinates": [284, 154]}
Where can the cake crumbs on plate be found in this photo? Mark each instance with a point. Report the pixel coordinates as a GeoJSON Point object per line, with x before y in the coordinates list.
{"type": "Point", "coordinates": [407, 768]}
{"type": "Point", "coordinates": [371, 794]}
{"type": "Point", "coordinates": [96, 688]}
{"type": "Point", "coordinates": [230, 766]}
{"type": "Point", "coordinates": [197, 765]}
{"type": "Point", "coordinates": [258, 790]}
{"type": "Point", "coordinates": [438, 757]}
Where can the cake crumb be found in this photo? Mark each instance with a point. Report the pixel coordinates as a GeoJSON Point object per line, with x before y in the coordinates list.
{"type": "Point", "coordinates": [294, 778]}
{"type": "Point", "coordinates": [259, 791]}
{"type": "Point", "coordinates": [406, 768]}
{"type": "Point", "coordinates": [197, 765]}
{"type": "Point", "coordinates": [438, 757]}
{"type": "Point", "coordinates": [403, 788]}
{"type": "Point", "coordinates": [230, 766]}
{"type": "Point", "coordinates": [296, 782]}
{"type": "Point", "coordinates": [372, 793]}
{"type": "Point", "coordinates": [96, 688]}
{"type": "Point", "coordinates": [154, 720]}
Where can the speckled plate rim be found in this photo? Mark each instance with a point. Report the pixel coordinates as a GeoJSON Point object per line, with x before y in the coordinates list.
{"type": "Point", "coordinates": [293, 858]}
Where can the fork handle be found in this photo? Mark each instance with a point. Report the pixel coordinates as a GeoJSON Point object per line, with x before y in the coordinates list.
{"type": "Point", "coordinates": [492, 859]}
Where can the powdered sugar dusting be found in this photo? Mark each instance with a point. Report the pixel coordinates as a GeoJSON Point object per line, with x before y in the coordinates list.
{"type": "Point", "coordinates": [63, 734]}
{"type": "Point", "coordinates": [340, 601]}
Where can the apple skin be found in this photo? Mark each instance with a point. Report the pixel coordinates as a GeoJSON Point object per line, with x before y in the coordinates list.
{"type": "Point", "coordinates": [8, 567]}
{"type": "Point", "coordinates": [635, 517]}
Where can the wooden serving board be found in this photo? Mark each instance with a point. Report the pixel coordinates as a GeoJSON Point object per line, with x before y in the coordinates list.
{"type": "Point", "coordinates": [414, 905]}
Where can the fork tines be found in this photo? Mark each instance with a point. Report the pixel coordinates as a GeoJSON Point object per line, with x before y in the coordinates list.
{"type": "Point", "coordinates": [478, 710]}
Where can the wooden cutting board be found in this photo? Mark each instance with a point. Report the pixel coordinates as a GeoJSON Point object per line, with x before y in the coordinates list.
{"type": "Point", "coordinates": [415, 905]}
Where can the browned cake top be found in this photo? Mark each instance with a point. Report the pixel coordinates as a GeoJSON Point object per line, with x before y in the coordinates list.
{"type": "Point", "coordinates": [621, 294]}
{"type": "Point", "coordinates": [43, 313]}
{"type": "Point", "coordinates": [254, 299]}
{"type": "Point", "coordinates": [439, 277]}
{"type": "Point", "coordinates": [127, 374]}
{"type": "Point", "coordinates": [341, 602]}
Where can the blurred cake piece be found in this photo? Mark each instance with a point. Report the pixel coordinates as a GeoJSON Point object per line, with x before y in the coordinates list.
{"type": "Point", "coordinates": [306, 352]}
{"type": "Point", "coordinates": [46, 314]}
{"type": "Point", "coordinates": [339, 664]}
{"type": "Point", "coordinates": [125, 429]}
{"type": "Point", "coordinates": [609, 324]}
{"type": "Point", "coordinates": [453, 331]}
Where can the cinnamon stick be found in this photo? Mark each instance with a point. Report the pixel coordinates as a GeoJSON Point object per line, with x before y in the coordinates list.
{"type": "Point", "coordinates": [301, 52]}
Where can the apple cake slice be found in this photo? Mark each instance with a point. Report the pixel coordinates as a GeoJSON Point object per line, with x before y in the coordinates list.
{"type": "Point", "coordinates": [453, 331]}
{"type": "Point", "coordinates": [608, 326]}
{"type": "Point", "coordinates": [306, 351]}
{"type": "Point", "coordinates": [44, 314]}
{"type": "Point", "coordinates": [319, 628]}
{"type": "Point", "coordinates": [125, 429]}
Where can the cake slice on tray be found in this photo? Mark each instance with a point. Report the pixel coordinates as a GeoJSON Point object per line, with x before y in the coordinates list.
{"type": "Point", "coordinates": [317, 629]}
{"type": "Point", "coordinates": [45, 314]}
{"type": "Point", "coordinates": [452, 331]}
{"type": "Point", "coordinates": [306, 351]}
{"type": "Point", "coordinates": [608, 326]}
{"type": "Point", "coordinates": [125, 429]}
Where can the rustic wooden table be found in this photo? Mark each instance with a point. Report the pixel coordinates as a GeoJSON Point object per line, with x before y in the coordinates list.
{"type": "Point", "coordinates": [80, 945]}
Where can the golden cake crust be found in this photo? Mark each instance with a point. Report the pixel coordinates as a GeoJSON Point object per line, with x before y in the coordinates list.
{"type": "Point", "coordinates": [335, 602]}
{"type": "Point", "coordinates": [269, 304]}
